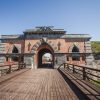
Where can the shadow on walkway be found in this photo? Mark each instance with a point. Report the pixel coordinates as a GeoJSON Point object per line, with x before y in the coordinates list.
{"type": "Point", "coordinates": [75, 89]}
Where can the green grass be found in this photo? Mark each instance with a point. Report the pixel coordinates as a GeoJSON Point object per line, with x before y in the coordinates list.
{"type": "Point", "coordinates": [96, 82]}
{"type": "Point", "coordinates": [95, 46]}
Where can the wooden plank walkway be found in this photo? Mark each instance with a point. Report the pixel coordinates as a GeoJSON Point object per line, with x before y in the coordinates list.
{"type": "Point", "coordinates": [40, 84]}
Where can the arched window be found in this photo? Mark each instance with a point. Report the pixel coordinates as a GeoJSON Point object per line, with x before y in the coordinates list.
{"type": "Point", "coordinates": [75, 53]}
{"type": "Point", "coordinates": [15, 50]}
{"type": "Point", "coordinates": [75, 49]}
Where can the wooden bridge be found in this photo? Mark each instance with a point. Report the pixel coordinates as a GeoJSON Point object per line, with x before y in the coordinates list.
{"type": "Point", "coordinates": [68, 82]}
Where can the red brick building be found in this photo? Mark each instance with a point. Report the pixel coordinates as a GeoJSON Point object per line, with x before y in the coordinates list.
{"type": "Point", "coordinates": [34, 43]}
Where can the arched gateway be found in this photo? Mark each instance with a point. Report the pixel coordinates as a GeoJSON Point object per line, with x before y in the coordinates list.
{"type": "Point", "coordinates": [43, 49]}
{"type": "Point", "coordinates": [34, 44]}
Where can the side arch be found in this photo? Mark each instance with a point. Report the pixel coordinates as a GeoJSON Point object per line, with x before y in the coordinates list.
{"type": "Point", "coordinates": [10, 49]}
{"type": "Point", "coordinates": [73, 46]}
{"type": "Point", "coordinates": [15, 50]}
{"type": "Point", "coordinates": [74, 49]}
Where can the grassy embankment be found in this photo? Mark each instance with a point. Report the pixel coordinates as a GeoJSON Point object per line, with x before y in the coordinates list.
{"type": "Point", "coordinates": [95, 46]}
{"type": "Point", "coordinates": [96, 49]}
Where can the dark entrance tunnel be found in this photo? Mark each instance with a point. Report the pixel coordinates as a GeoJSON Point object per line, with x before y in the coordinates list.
{"type": "Point", "coordinates": [47, 64]}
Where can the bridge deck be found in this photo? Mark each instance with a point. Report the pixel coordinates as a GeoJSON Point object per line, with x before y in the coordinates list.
{"type": "Point", "coordinates": [40, 84]}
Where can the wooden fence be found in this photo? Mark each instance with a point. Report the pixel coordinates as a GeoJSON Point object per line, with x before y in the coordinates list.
{"type": "Point", "coordinates": [7, 69]}
{"type": "Point", "coordinates": [86, 73]}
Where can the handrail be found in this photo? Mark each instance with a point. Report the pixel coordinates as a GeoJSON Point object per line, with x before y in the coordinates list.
{"type": "Point", "coordinates": [9, 67]}
{"type": "Point", "coordinates": [84, 67]}
{"type": "Point", "coordinates": [86, 72]}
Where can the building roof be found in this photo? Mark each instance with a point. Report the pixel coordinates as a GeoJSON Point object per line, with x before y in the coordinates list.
{"type": "Point", "coordinates": [76, 36]}
{"type": "Point", "coordinates": [11, 36]}
{"type": "Point", "coordinates": [44, 29]}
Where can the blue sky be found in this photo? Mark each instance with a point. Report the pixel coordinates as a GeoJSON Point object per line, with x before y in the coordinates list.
{"type": "Point", "coordinates": [75, 16]}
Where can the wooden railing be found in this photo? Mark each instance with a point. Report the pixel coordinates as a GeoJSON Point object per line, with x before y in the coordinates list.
{"type": "Point", "coordinates": [86, 73]}
{"type": "Point", "coordinates": [7, 69]}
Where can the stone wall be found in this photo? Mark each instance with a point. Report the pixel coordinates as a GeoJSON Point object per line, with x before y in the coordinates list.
{"type": "Point", "coordinates": [2, 50]}
{"type": "Point", "coordinates": [28, 60]}
{"type": "Point", "coordinates": [89, 57]}
{"type": "Point", "coordinates": [59, 59]}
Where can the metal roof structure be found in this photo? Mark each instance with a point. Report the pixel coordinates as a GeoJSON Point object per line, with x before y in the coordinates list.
{"type": "Point", "coordinates": [44, 29]}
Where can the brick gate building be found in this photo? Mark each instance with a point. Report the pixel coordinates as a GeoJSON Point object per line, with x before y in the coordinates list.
{"type": "Point", "coordinates": [30, 46]}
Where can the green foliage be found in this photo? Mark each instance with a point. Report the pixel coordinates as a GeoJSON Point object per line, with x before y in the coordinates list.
{"type": "Point", "coordinates": [95, 46]}
{"type": "Point", "coordinates": [97, 82]}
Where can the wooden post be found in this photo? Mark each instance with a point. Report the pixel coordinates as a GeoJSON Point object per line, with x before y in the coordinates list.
{"type": "Point", "coordinates": [18, 66]}
{"type": "Point", "coordinates": [68, 66]}
{"type": "Point", "coordinates": [0, 72]}
{"type": "Point", "coordinates": [84, 73]}
{"type": "Point", "coordinates": [64, 65]}
{"type": "Point", "coordinates": [9, 71]}
{"type": "Point", "coordinates": [24, 65]}
{"type": "Point", "coordinates": [73, 68]}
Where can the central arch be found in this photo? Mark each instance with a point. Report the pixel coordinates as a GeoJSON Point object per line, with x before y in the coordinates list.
{"type": "Point", "coordinates": [42, 50]}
